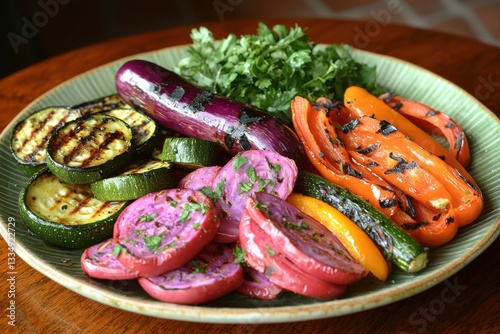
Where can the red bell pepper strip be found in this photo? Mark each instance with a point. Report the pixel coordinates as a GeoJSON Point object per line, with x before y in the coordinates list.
{"type": "Point", "coordinates": [433, 121]}
{"type": "Point", "coordinates": [380, 197]}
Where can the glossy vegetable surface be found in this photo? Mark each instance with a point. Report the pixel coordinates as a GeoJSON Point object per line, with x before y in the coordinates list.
{"type": "Point", "coordinates": [162, 231]}
{"type": "Point", "coordinates": [434, 121]}
{"type": "Point", "coordinates": [396, 245]}
{"type": "Point", "coordinates": [303, 240]}
{"type": "Point", "coordinates": [263, 255]}
{"type": "Point", "coordinates": [212, 273]}
{"type": "Point", "coordinates": [176, 104]}
{"type": "Point", "coordinates": [354, 239]}
{"type": "Point", "coordinates": [361, 103]}
{"type": "Point", "coordinates": [98, 261]}
{"type": "Point", "coordinates": [329, 157]}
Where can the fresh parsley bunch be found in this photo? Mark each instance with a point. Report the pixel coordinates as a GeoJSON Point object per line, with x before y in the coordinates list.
{"type": "Point", "coordinates": [269, 69]}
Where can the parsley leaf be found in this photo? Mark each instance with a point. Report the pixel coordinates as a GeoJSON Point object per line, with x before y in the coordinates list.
{"type": "Point", "coordinates": [152, 242]}
{"type": "Point", "coordinates": [270, 68]}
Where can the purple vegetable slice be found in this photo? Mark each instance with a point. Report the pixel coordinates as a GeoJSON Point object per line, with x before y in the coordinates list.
{"type": "Point", "coordinates": [257, 285]}
{"type": "Point", "coordinates": [164, 230]}
{"type": "Point", "coordinates": [303, 240]}
{"type": "Point", "coordinates": [176, 104]}
{"type": "Point", "coordinates": [244, 175]}
{"type": "Point", "coordinates": [98, 261]}
{"type": "Point", "coordinates": [199, 178]}
{"type": "Point", "coordinates": [209, 275]}
{"type": "Point", "coordinates": [263, 255]}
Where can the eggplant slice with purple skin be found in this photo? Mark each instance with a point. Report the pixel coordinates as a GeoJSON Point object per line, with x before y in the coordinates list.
{"type": "Point", "coordinates": [245, 174]}
{"type": "Point", "coordinates": [177, 104]}
{"type": "Point", "coordinates": [162, 231]}
{"type": "Point", "coordinates": [211, 274]}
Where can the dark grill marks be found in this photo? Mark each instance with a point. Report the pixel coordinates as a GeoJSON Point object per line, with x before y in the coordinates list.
{"type": "Point", "coordinates": [98, 137]}
{"type": "Point", "coordinates": [110, 137]}
{"type": "Point", "coordinates": [458, 143]}
{"type": "Point", "coordinates": [41, 126]}
{"type": "Point", "coordinates": [386, 128]}
{"type": "Point", "coordinates": [140, 129]}
{"type": "Point", "coordinates": [200, 100]}
{"type": "Point", "coordinates": [177, 94]}
{"type": "Point", "coordinates": [401, 166]}
{"type": "Point", "coordinates": [369, 149]}
{"type": "Point", "coordinates": [248, 116]}
{"type": "Point", "coordinates": [414, 226]}
{"type": "Point", "coordinates": [431, 113]}
{"type": "Point", "coordinates": [82, 202]}
{"type": "Point", "coordinates": [350, 126]}
{"type": "Point", "coordinates": [397, 106]}
{"type": "Point", "coordinates": [328, 105]}
{"type": "Point", "coordinates": [350, 171]}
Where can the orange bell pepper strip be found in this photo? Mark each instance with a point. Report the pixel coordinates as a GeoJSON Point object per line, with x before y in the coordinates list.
{"type": "Point", "coordinates": [381, 198]}
{"type": "Point", "coordinates": [429, 227]}
{"type": "Point", "coordinates": [362, 103]}
{"type": "Point", "coordinates": [331, 146]}
{"type": "Point", "coordinates": [389, 159]}
{"type": "Point", "coordinates": [355, 240]}
{"type": "Point", "coordinates": [373, 142]}
{"type": "Point", "coordinates": [433, 121]}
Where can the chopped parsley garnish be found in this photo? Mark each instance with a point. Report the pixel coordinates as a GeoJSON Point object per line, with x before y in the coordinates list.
{"type": "Point", "coordinates": [147, 217]}
{"type": "Point", "coordinates": [217, 193]}
{"type": "Point", "coordinates": [244, 187]}
{"type": "Point", "coordinates": [269, 68]}
{"type": "Point", "coordinates": [198, 267]}
{"type": "Point", "coordinates": [189, 207]}
{"type": "Point", "coordinates": [152, 242]}
{"type": "Point", "coordinates": [117, 249]}
{"type": "Point", "coordinates": [269, 250]}
{"type": "Point", "coordinates": [239, 161]}
{"type": "Point", "coordinates": [252, 174]}
{"type": "Point", "coordinates": [239, 255]}
{"type": "Point", "coordinates": [300, 227]}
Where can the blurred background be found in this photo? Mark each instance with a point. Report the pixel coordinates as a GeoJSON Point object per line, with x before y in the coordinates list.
{"type": "Point", "coordinates": [34, 30]}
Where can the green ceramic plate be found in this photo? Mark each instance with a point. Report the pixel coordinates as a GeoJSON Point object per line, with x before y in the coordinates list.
{"type": "Point", "coordinates": [406, 79]}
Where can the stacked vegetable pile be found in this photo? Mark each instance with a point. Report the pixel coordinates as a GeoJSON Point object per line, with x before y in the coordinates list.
{"type": "Point", "coordinates": [183, 182]}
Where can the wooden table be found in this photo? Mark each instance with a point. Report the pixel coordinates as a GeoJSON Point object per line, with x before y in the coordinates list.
{"type": "Point", "coordinates": [45, 307]}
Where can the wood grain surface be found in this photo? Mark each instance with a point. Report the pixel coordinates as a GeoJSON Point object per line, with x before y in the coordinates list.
{"type": "Point", "coordinates": [43, 306]}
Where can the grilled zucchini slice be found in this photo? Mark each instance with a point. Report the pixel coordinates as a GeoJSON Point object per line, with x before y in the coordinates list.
{"type": "Point", "coordinates": [136, 181]}
{"type": "Point", "coordinates": [104, 103]}
{"type": "Point", "coordinates": [29, 138]}
{"type": "Point", "coordinates": [66, 215]}
{"type": "Point", "coordinates": [146, 132]}
{"type": "Point", "coordinates": [191, 153]}
{"type": "Point", "coordinates": [90, 148]}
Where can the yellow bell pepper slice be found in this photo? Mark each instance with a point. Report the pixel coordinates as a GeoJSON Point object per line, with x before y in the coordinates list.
{"type": "Point", "coordinates": [354, 239]}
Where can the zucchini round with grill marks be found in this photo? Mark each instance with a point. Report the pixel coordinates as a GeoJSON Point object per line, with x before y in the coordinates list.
{"type": "Point", "coordinates": [146, 132]}
{"type": "Point", "coordinates": [136, 181]}
{"type": "Point", "coordinates": [90, 148]}
{"type": "Point", "coordinates": [192, 153]}
{"type": "Point", "coordinates": [66, 215]}
{"type": "Point", "coordinates": [29, 138]}
{"type": "Point", "coordinates": [104, 103]}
